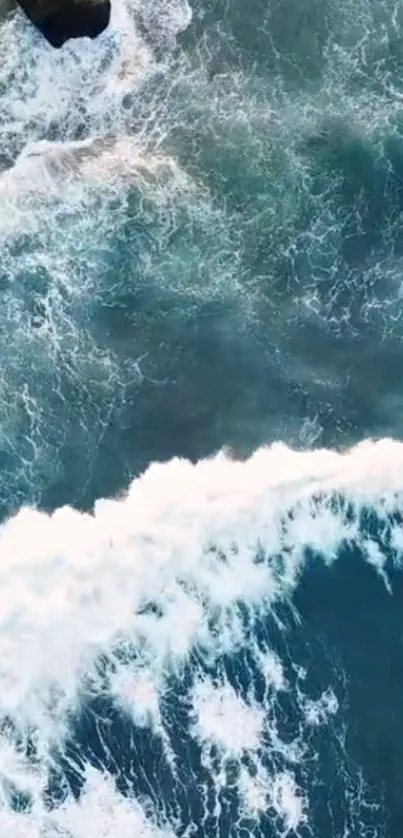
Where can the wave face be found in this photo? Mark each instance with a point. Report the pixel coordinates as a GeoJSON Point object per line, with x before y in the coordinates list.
{"type": "Point", "coordinates": [200, 231]}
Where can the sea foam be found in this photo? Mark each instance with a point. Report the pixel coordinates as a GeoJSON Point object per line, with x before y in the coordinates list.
{"type": "Point", "coordinates": [149, 580]}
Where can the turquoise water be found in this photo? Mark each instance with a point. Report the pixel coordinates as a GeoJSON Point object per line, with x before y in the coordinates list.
{"type": "Point", "coordinates": [200, 231]}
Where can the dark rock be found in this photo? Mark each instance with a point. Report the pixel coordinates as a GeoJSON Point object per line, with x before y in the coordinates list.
{"type": "Point", "coordinates": [60, 20]}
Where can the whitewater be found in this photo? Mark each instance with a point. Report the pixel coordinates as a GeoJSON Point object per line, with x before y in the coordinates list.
{"type": "Point", "coordinates": [145, 607]}
{"type": "Point", "coordinates": [201, 478]}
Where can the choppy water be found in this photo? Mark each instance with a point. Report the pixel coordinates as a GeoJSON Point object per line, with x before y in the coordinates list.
{"type": "Point", "coordinates": [201, 273]}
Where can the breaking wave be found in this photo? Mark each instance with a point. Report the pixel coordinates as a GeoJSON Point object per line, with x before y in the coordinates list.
{"type": "Point", "coordinates": [158, 676]}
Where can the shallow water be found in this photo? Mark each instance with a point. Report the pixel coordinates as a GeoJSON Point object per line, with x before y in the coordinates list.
{"type": "Point", "coordinates": [200, 220]}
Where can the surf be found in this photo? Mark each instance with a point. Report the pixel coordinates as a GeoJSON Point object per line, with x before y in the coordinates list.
{"type": "Point", "coordinates": [140, 604]}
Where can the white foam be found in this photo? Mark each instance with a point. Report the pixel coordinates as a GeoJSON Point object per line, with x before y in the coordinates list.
{"type": "Point", "coordinates": [255, 791]}
{"type": "Point", "coordinates": [79, 173]}
{"type": "Point", "coordinates": [73, 586]}
{"type": "Point", "coordinates": [101, 812]}
{"type": "Point", "coordinates": [272, 669]}
{"type": "Point", "coordinates": [279, 795]}
{"type": "Point", "coordinates": [318, 712]}
{"type": "Point", "coordinates": [16, 771]}
{"type": "Point", "coordinates": [83, 75]}
{"type": "Point", "coordinates": [77, 89]}
{"type": "Point", "coordinates": [71, 583]}
{"type": "Point", "coordinates": [288, 802]}
{"type": "Point", "coordinates": [224, 719]}
{"type": "Point", "coordinates": [137, 693]}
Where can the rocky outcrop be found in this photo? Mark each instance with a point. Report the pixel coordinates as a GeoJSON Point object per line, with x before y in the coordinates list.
{"type": "Point", "coordinates": [60, 20]}
{"type": "Point", "coordinates": [6, 6]}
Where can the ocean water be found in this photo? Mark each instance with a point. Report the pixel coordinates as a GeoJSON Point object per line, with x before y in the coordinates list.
{"type": "Point", "coordinates": [201, 472]}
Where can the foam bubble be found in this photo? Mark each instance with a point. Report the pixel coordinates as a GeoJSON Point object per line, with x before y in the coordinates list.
{"type": "Point", "coordinates": [288, 802]}
{"type": "Point", "coordinates": [138, 694]}
{"type": "Point", "coordinates": [224, 719]}
{"type": "Point", "coordinates": [318, 712]}
{"type": "Point", "coordinates": [255, 791]}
